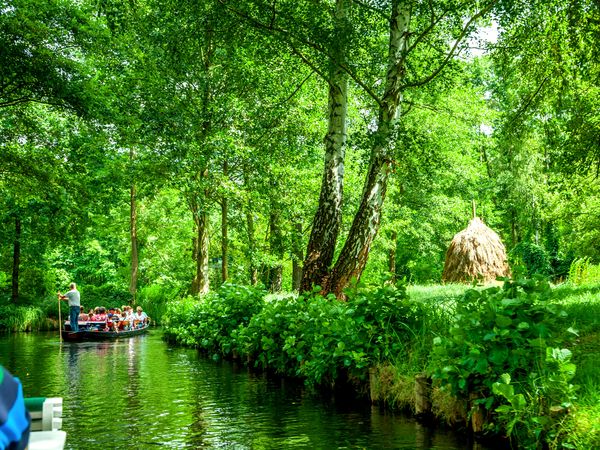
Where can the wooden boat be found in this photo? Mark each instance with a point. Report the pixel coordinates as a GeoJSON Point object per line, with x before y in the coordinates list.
{"type": "Point", "coordinates": [92, 332]}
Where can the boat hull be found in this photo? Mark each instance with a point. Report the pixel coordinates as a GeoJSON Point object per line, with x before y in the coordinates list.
{"type": "Point", "coordinates": [88, 335]}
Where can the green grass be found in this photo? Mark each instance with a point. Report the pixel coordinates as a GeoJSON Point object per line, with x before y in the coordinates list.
{"type": "Point", "coordinates": [437, 292]}
{"type": "Point", "coordinates": [22, 318]}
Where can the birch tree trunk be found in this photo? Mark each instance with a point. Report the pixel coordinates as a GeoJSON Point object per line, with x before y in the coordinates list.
{"type": "Point", "coordinates": [327, 220]}
{"type": "Point", "coordinates": [354, 254]}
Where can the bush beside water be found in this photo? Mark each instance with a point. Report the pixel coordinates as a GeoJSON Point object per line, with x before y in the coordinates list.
{"type": "Point", "coordinates": [509, 352]}
{"type": "Point", "coordinates": [22, 318]}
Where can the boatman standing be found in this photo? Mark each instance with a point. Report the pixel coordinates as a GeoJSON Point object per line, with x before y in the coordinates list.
{"type": "Point", "coordinates": [74, 303]}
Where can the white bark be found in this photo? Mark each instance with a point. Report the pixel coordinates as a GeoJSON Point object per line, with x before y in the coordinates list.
{"type": "Point", "coordinates": [327, 220]}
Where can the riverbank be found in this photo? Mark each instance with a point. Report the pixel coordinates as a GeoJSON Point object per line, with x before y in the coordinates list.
{"type": "Point", "coordinates": [502, 361]}
{"type": "Point", "coordinates": [175, 397]}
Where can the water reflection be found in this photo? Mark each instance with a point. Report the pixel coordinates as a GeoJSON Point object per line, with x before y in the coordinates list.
{"type": "Point", "coordinates": [141, 393]}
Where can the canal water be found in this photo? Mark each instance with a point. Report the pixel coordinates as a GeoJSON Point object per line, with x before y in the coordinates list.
{"type": "Point", "coordinates": [142, 393]}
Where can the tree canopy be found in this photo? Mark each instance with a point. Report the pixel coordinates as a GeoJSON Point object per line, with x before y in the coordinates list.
{"type": "Point", "coordinates": [167, 147]}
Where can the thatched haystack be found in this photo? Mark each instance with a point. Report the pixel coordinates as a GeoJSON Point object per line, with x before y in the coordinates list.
{"type": "Point", "coordinates": [476, 253]}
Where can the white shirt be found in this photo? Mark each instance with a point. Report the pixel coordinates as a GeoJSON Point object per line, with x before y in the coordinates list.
{"type": "Point", "coordinates": [142, 316]}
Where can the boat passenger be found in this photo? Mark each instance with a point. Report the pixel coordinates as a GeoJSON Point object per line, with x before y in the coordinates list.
{"type": "Point", "coordinates": [83, 317]}
{"type": "Point", "coordinates": [124, 321]}
{"type": "Point", "coordinates": [100, 316]}
{"type": "Point", "coordinates": [91, 315]}
{"type": "Point", "coordinates": [140, 318]}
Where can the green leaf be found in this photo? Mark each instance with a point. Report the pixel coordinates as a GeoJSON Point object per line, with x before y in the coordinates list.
{"type": "Point", "coordinates": [503, 321]}
{"type": "Point", "coordinates": [518, 402]}
{"type": "Point", "coordinates": [506, 390]}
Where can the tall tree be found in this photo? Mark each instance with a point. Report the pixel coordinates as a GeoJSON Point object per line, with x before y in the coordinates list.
{"type": "Point", "coordinates": [422, 40]}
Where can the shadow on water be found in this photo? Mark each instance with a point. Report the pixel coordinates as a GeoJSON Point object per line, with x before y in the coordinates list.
{"type": "Point", "coordinates": [142, 393]}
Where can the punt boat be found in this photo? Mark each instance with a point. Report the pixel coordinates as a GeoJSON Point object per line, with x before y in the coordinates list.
{"type": "Point", "coordinates": [95, 331]}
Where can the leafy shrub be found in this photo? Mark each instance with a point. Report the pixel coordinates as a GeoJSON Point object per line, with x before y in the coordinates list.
{"type": "Point", "coordinates": [534, 257]}
{"type": "Point", "coordinates": [208, 322]}
{"type": "Point", "coordinates": [313, 337]}
{"type": "Point", "coordinates": [21, 318]}
{"type": "Point", "coordinates": [506, 334]}
{"type": "Point", "coordinates": [317, 338]}
{"type": "Point", "coordinates": [534, 415]}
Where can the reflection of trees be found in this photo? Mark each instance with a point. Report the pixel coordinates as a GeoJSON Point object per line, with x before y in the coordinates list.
{"type": "Point", "coordinates": [140, 392]}
{"type": "Point", "coordinates": [33, 358]}
{"type": "Point", "coordinates": [199, 426]}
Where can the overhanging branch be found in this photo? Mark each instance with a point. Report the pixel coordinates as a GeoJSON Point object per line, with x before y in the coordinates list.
{"type": "Point", "coordinates": [452, 52]}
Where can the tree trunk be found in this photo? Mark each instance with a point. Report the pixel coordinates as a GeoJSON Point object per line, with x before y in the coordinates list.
{"type": "Point", "coordinates": [16, 260]}
{"type": "Point", "coordinates": [224, 224]}
{"type": "Point", "coordinates": [297, 255]}
{"type": "Point", "coordinates": [253, 271]}
{"type": "Point", "coordinates": [201, 283]}
{"type": "Point", "coordinates": [200, 194]}
{"type": "Point", "coordinates": [354, 254]}
{"type": "Point", "coordinates": [197, 204]}
{"type": "Point", "coordinates": [251, 247]}
{"type": "Point", "coordinates": [276, 245]}
{"type": "Point", "coordinates": [327, 220]}
{"type": "Point", "coordinates": [134, 245]}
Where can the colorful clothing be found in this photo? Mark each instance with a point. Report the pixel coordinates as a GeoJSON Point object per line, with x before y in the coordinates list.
{"type": "Point", "coordinates": [14, 418]}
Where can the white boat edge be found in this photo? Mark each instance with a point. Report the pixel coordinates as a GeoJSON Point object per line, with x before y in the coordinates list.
{"type": "Point", "coordinates": [47, 440]}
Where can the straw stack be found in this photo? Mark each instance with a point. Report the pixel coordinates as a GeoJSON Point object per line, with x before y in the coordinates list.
{"type": "Point", "coordinates": [475, 253]}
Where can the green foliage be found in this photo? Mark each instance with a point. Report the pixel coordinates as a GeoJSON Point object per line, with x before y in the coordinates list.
{"type": "Point", "coordinates": [155, 298]}
{"type": "Point", "coordinates": [496, 330]}
{"type": "Point", "coordinates": [582, 271]}
{"type": "Point", "coordinates": [534, 257]}
{"type": "Point", "coordinates": [508, 333]}
{"type": "Point", "coordinates": [533, 411]}
{"type": "Point", "coordinates": [208, 323]}
{"type": "Point", "coordinates": [108, 295]}
{"type": "Point", "coordinates": [313, 337]}
{"type": "Point", "coordinates": [21, 318]}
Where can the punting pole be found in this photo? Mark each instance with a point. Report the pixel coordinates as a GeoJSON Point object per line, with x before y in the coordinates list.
{"type": "Point", "coordinates": [59, 321]}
